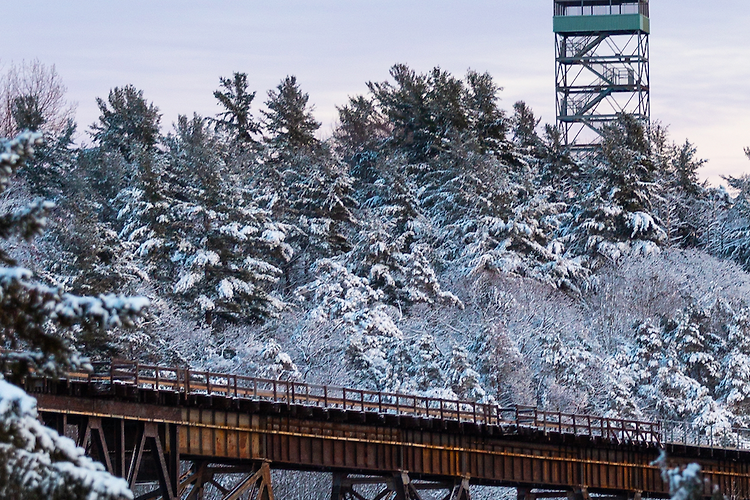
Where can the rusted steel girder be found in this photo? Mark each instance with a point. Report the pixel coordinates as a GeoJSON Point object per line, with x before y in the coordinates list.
{"type": "Point", "coordinates": [255, 482]}
{"type": "Point", "coordinates": [393, 487]}
{"type": "Point", "coordinates": [146, 434]}
{"type": "Point", "coordinates": [234, 432]}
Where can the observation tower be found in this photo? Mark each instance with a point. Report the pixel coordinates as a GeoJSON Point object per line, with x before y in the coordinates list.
{"type": "Point", "coordinates": [601, 66]}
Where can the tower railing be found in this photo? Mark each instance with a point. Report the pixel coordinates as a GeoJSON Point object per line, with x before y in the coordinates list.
{"type": "Point", "coordinates": [599, 8]}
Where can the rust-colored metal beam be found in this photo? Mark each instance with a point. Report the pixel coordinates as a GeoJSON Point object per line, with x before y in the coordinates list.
{"type": "Point", "coordinates": [144, 427]}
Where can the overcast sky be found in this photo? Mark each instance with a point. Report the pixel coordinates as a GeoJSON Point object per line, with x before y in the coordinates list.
{"type": "Point", "coordinates": [175, 51]}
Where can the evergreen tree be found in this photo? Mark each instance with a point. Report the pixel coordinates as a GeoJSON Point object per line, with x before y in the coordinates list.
{"type": "Point", "coordinates": [323, 200]}
{"type": "Point", "coordinates": [615, 216]}
{"type": "Point", "coordinates": [46, 173]}
{"type": "Point", "coordinates": [394, 246]}
{"type": "Point", "coordinates": [524, 126]}
{"type": "Point", "coordinates": [27, 113]}
{"type": "Point", "coordinates": [202, 234]}
{"type": "Point", "coordinates": [735, 234]}
{"type": "Point", "coordinates": [289, 120]}
{"type": "Point", "coordinates": [486, 121]}
{"type": "Point", "coordinates": [426, 364]}
{"type": "Point", "coordinates": [464, 380]}
{"type": "Point", "coordinates": [429, 114]}
{"type": "Point", "coordinates": [33, 315]}
{"type": "Point", "coordinates": [682, 200]}
{"type": "Point", "coordinates": [40, 324]}
{"type": "Point", "coordinates": [127, 122]}
{"type": "Point", "coordinates": [406, 107]}
{"type": "Point", "coordinates": [236, 118]}
{"type": "Point", "coordinates": [359, 138]}
{"type": "Point", "coordinates": [361, 127]}
{"type": "Point", "coordinates": [735, 384]}
{"type": "Point", "coordinates": [676, 368]}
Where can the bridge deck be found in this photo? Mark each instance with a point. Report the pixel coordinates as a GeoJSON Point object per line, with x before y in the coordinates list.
{"type": "Point", "coordinates": [206, 417]}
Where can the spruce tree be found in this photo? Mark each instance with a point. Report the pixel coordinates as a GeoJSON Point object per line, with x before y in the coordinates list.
{"type": "Point", "coordinates": [734, 387]}
{"type": "Point", "coordinates": [524, 126]}
{"type": "Point", "coordinates": [734, 237]}
{"type": "Point", "coordinates": [203, 235]}
{"type": "Point", "coordinates": [27, 113]}
{"type": "Point", "coordinates": [486, 121]}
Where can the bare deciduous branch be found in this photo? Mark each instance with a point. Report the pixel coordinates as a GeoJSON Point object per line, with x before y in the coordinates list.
{"type": "Point", "coordinates": [37, 83]}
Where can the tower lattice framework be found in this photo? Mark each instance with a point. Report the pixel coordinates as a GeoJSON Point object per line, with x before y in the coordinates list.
{"type": "Point", "coordinates": [601, 66]}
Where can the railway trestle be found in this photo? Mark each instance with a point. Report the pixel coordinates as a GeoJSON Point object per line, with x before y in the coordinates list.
{"type": "Point", "coordinates": [179, 434]}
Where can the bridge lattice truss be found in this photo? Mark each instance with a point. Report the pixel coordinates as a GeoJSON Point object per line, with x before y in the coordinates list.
{"type": "Point", "coordinates": [179, 433]}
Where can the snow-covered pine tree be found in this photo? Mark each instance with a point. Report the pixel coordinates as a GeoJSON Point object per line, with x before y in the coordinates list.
{"type": "Point", "coordinates": [289, 121]}
{"type": "Point", "coordinates": [351, 310]}
{"type": "Point", "coordinates": [127, 122]}
{"type": "Point", "coordinates": [675, 370]}
{"type": "Point", "coordinates": [524, 242]}
{"type": "Point", "coordinates": [405, 104]}
{"type": "Point", "coordinates": [696, 345]}
{"type": "Point", "coordinates": [462, 378]}
{"type": "Point", "coordinates": [682, 201]}
{"type": "Point", "coordinates": [566, 362]}
{"type": "Point", "coordinates": [324, 203]}
{"type": "Point", "coordinates": [735, 238]}
{"type": "Point", "coordinates": [54, 160]}
{"type": "Point", "coordinates": [236, 119]}
{"type": "Point", "coordinates": [486, 121]}
{"type": "Point", "coordinates": [80, 249]}
{"type": "Point", "coordinates": [524, 124]}
{"type": "Point", "coordinates": [734, 388]}
{"type": "Point", "coordinates": [614, 215]}
{"type": "Point", "coordinates": [204, 236]}
{"type": "Point", "coordinates": [305, 184]}
{"type": "Point", "coordinates": [426, 370]}
{"type": "Point", "coordinates": [734, 233]}
{"type": "Point", "coordinates": [37, 323]}
{"type": "Point", "coordinates": [394, 245]}
{"type": "Point", "coordinates": [38, 464]}
{"type": "Point", "coordinates": [359, 137]}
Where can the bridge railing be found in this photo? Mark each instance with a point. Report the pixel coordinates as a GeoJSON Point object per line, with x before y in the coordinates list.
{"type": "Point", "coordinates": [197, 382]}
{"type": "Point", "coordinates": [712, 436]}
{"type": "Point", "coordinates": [188, 381]}
{"type": "Point", "coordinates": [589, 425]}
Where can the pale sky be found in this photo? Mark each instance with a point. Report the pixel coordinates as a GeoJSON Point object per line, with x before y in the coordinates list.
{"type": "Point", "coordinates": [175, 51]}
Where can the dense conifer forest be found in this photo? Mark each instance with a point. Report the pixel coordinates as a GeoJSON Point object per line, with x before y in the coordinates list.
{"type": "Point", "coordinates": [435, 243]}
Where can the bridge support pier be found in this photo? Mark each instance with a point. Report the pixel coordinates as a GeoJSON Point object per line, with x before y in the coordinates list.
{"type": "Point", "coordinates": [255, 483]}
{"type": "Point", "coordinates": [149, 439]}
{"type": "Point", "coordinates": [394, 487]}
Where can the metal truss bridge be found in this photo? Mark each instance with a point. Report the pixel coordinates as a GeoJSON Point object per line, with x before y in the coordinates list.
{"type": "Point", "coordinates": [177, 433]}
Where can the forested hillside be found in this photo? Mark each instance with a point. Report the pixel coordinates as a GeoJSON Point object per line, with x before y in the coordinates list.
{"type": "Point", "coordinates": [436, 243]}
